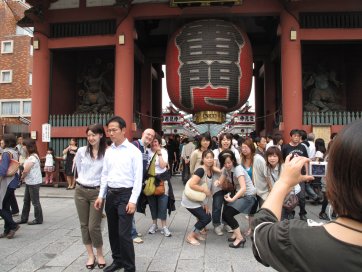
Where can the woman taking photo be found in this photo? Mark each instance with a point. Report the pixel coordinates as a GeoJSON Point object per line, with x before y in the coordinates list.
{"type": "Point", "coordinates": [159, 204]}
{"type": "Point", "coordinates": [89, 163]}
{"type": "Point", "coordinates": [241, 200]}
{"type": "Point", "coordinates": [292, 245]}
{"type": "Point", "coordinates": [225, 142]}
{"type": "Point", "coordinates": [203, 143]}
{"type": "Point", "coordinates": [8, 185]}
{"type": "Point", "coordinates": [70, 152]}
{"type": "Point", "coordinates": [202, 175]}
{"type": "Point", "coordinates": [33, 179]}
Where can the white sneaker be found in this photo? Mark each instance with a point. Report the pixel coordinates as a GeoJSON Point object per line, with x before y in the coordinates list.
{"type": "Point", "coordinates": [153, 229]}
{"type": "Point", "coordinates": [218, 230]}
{"type": "Point", "coordinates": [228, 229]}
{"type": "Point", "coordinates": [165, 231]}
{"type": "Point", "coordinates": [138, 240]}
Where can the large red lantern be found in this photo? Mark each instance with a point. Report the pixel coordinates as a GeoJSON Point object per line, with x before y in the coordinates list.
{"type": "Point", "coordinates": [209, 69]}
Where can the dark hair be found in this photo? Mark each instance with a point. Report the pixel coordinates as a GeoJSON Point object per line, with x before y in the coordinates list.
{"type": "Point", "coordinates": [97, 129]}
{"type": "Point", "coordinates": [249, 142]}
{"type": "Point", "coordinates": [273, 150]}
{"type": "Point", "coordinates": [303, 134]}
{"type": "Point", "coordinates": [119, 120]}
{"type": "Point", "coordinates": [228, 136]}
{"type": "Point", "coordinates": [320, 145]}
{"type": "Point", "coordinates": [30, 145]}
{"type": "Point", "coordinates": [74, 140]}
{"type": "Point", "coordinates": [205, 136]}
{"type": "Point", "coordinates": [204, 154]}
{"type": "Point", "coordinates": [158, 138]}
{"type": "Point", "coordinates": [344, 174]}
{"type": "Point", "coordinates": [227, 153]}
{"type": "Point", "coordinates": [9, 140]}
{"type": "Point", "coordinates": [294, 131]}
{"type": "Point", "coordinates": [276, 139]}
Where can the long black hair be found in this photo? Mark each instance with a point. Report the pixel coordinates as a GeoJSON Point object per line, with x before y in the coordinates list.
{"type": "Point", "coordinates": [97, 129]}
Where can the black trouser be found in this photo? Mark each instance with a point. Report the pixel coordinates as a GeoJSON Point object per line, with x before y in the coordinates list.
{"type": "Point", "coordinates": [324, 203]}
{"type": "Point", "coordinates": [13, 203]}
{"type": "Point", "coordinates": [185, 171]}
{"type": "Point", "coordinates": [32, 194]}
{"type": "Point", "coordinates": [119, 228]}
{"type": "Point", "coordinates": [228, 216]}
{"type": "Point", "coordinates": [301, 197]}
{"type": "Point", "coordinates": [5, 212]}
{"type": "Point", "coordinates": [202, 216]}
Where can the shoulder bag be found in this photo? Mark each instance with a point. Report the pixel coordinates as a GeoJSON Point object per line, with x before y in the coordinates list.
{"type": "Point", "coordinates": [150, 186]}
{"type": "Point", "coordinates": [194, 195]}
{"type": "Point", "coordinates": [229, 186]}
{"type": "Point", "coordinates": [13, 166]}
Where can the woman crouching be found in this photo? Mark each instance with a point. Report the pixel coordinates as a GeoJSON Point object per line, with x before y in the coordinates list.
{"type": "Point", "coordinates": [241, 200]}
{"type": "Point", "coordinates": [202, 175]}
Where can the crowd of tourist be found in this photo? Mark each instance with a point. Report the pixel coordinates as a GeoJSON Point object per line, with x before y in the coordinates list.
{"type": "Point", "coordinates": [262, 178]}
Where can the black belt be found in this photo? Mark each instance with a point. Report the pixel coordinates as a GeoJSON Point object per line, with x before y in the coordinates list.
{"type": "Point", "coordinates": [88, 187]}
{"type": "Point", "coordinates": [119, 190]}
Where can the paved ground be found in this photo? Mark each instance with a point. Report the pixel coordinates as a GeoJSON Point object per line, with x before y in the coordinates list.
{"type": "Point", "coordinates": [56, 244]}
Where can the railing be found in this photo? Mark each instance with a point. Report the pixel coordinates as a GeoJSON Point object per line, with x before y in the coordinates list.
{"type": "Point", "coordinates": [330, 118]}
{"type": "Point", "coordinates": [73, 120]}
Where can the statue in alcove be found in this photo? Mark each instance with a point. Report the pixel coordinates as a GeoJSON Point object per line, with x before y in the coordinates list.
{"type": "Point", "coordinates": [94, 86]}
{"type": "Point", "coordinates": [323, 90]}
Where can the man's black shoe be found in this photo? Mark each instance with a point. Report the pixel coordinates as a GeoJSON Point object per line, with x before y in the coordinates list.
{"type": "Point", "coordinates": [21, 221]}
{"type": "Point", "coordinates": [113, 267]}
{"type": "Point", "coordinates": [303, 217]}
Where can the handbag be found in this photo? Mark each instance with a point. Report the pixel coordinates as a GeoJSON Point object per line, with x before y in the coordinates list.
{"type": "Point", "coordinates": [194, 195]}
{"type": "Point", "coordinates": [229, 186]}
{"type": "Point", "coordinates": [13, 166]}
{"type": "Point", "coordinates": [160, 188]}
{"type": "Point", "coordinates": [291, 201]}
{"type": "Point", "coordinates": [150, 186]}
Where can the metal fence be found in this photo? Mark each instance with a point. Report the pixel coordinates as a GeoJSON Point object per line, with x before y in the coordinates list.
{"type": "Point", "coordinates": [330, 118]}
{"type": "Point", "coordinates": [59, 144]}
{"type": "Point", "coordinates": [74, 120]}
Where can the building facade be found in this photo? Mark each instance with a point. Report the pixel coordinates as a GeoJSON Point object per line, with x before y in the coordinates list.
{"type": "Point", "coordinates": [15, 69]}
{"type": "Point", "coordinates": [104, 56]}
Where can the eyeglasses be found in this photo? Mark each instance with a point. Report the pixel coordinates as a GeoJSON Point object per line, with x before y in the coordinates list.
{"type": "Point", "coordinates": [114, 130]}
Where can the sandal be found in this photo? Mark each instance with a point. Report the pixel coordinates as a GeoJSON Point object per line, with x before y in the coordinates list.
{"type": "Point", "coordinates": [101, 265]}
{"type": "Point", "coordinates": [91, 266]}
{"type": "Point", "coordinates": [200, 238]}
{"type": "Point", "coordinates": [192, 242]}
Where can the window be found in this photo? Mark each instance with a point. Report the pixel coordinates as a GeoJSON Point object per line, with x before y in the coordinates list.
{"type": "Point", "coordinates": [10, 108]}
{"type": "Point", "coordinates": [27, 108]}
{"type": "Point", "coordinates": [30, 79]}
{"type": "Point", "coordinates": [31, 50]}
{"type": "Point", "coordinates": [7, 47]}
{"type": "Point", "coordinates": [6, 76]}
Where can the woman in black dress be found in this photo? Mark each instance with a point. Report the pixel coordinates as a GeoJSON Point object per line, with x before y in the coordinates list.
{"type": "Point", "coordinates": [70, 152]}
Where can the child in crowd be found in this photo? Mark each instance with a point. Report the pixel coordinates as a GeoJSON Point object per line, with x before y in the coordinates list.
{"type": "Point", "coordinates": [49, 167]}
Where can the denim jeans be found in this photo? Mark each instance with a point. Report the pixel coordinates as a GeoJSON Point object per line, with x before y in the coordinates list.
{"type": "Point", "coordinates": [32, 195]}
{"type": "Point", "coordinates": [217, 201]}
{"type": "Point", "coordinates": [134, 232]}
{"type": "Point", "coordinates": [310, 191]}
{"type": "Point", "coordinates": [158, 206]}
{"type": "Point", "coordinates": [5, 213]}
{"type": "Point", "coordinates": [202, 216]}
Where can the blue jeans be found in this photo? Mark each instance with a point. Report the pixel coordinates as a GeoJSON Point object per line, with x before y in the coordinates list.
{"type": "Point", "coordinates": [134, 232]}
{"type": "Point", "coordinates": [158, 206]}
{"type": "Point", "coordinates": [202, 216]}
{"type": "Point", "coordinates": [310, 191]}
{"type": "Point", "coordinates": [217, 201]}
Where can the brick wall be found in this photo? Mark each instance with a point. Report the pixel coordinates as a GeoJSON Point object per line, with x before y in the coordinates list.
{"type": "Point", "coordinates": [20, 61]}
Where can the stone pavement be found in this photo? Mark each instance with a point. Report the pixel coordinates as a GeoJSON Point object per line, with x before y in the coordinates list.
{"type": "Point", "coordinates": [56, 244]}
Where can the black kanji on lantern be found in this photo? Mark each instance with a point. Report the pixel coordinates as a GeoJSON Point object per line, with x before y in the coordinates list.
{"type": "Point", "coordinates": [209, 52]}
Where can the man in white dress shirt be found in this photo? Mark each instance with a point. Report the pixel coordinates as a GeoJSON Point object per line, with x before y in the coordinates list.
{"type": "Point", "coordinates": [121, 184]}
